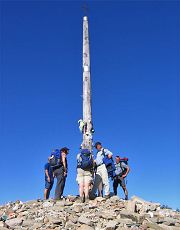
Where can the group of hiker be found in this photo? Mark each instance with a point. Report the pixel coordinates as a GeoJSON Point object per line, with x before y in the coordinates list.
{"type": "Point", "coordinates": [93, 173]}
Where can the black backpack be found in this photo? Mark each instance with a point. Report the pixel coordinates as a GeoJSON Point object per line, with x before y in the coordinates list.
{"type": "Point", "coordinates": [124, 160]}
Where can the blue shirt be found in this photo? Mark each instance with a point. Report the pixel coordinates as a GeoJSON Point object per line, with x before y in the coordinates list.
{"type": "Point", "coordinates": [50, 172]}
{"type": "Point", "coordinates": [100, 155]}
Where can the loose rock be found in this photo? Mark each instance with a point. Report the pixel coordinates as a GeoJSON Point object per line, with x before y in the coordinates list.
{"type": "Point", "coordinates": [97, 214]}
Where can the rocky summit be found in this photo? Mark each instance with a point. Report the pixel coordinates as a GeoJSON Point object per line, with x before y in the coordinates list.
{"type": "Point", "coordinates": [98, 214]}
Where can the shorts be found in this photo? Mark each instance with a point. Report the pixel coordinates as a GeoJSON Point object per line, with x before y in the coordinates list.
{"type": "Point", "coordinates": [120, 181]}
{"type": "Point", "coordinates": [83, 176]}
{"type": "Point", "coordinates": [49, 185]}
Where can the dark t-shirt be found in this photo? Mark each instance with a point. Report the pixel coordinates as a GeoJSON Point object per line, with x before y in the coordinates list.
{"type": "Point", "coordinates": [48, 168]}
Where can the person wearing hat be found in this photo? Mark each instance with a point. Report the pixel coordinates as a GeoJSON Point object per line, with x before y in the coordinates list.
{"type": "Point", "coordinates": [60, 173]}
{"type": "Point", "coordinates": [101, 173]}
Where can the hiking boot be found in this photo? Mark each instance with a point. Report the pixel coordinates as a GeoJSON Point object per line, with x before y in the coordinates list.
{"type": "Point", "coordinates": [57, 199]}
{"type": "Point", "coordinates": [126, 197]}
{"type": "Point", "coordinates": [82, 199]}
{"type": "Point", "coordinates": [107, 196]}
{"type": "Point", "coordinates": [92, 196]}
{"type": "Point", "coordinates": [86, 199]}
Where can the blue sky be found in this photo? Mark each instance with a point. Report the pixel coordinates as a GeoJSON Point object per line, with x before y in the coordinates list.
{"type": "Point", "coordinates": [134, 70]}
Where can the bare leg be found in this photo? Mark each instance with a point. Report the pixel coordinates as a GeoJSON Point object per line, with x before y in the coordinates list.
{"type": "Point", "coordinates": [86, 190]}
{"type": "Point", "coordinates": [81, 191]}
{"type": "Point", "coordinates": [125, 192]}
{"type": "Point", "coordinates": [45, 194]}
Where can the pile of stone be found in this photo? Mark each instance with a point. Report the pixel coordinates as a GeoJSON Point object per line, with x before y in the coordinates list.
{"type": "Point", "coordinates": [98, 214]}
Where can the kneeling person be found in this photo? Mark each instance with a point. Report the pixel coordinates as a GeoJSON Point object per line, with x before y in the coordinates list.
{"type": "Point", "coordinates": [84, 173]}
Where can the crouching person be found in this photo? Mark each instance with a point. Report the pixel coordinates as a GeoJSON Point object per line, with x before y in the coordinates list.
{"type": "Point", "coordinates": [84, 173]}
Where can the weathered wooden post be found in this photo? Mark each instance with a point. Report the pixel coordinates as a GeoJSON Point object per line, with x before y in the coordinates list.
{"type": "Point", "coordinates": [87, 128]}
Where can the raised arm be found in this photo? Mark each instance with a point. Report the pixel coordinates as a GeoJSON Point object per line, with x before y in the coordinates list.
{"type": "Point", "coordinates": [127, 171]}
{"type": "Point", "coordinates": [108, 153]}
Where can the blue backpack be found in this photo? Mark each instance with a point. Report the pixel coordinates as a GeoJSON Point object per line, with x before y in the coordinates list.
{"type": "Point", "coordinates": [86, 162]}
{"type": "Point", "coordinates": [55, 159]}
{"type": "Point", "coordinates": [109, 163]}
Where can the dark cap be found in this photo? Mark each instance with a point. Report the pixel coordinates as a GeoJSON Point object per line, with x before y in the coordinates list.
{"type": "Point", "coordinates": [64, 149]}
{"type": "Point", "coordinates": [97, 143]}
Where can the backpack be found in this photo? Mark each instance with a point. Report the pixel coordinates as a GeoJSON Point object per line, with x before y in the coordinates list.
{"type": "Point", "coordinates": [109, 163]}
{"type": "Point", "coordinates": [55, 159]}
{"type": "Point", "coordinates": [124, 160]}
{"type": "Point", "coordinates": [86, 159]}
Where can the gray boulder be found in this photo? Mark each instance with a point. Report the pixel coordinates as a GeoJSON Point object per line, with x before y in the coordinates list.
{"type": "Point", "coordinates": [14, 222]}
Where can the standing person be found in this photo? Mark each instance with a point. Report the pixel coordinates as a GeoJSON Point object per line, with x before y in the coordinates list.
{"type": "Point", "coordinates": [60, 171]}
{"type": "Point", "coordinates": [49, 180]}
{"type": "Point", "coordinates": [84, 173]}
{"type": "Point", "coordinates": [101, 173]}
{"type": "Point", "coordinates": [121, 172]}
{"type": "Point", "coordinates": [64, 152]}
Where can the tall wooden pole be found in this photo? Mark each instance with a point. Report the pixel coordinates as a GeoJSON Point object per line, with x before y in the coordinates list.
{"type": "Point", "coordinates": [87, 113]}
